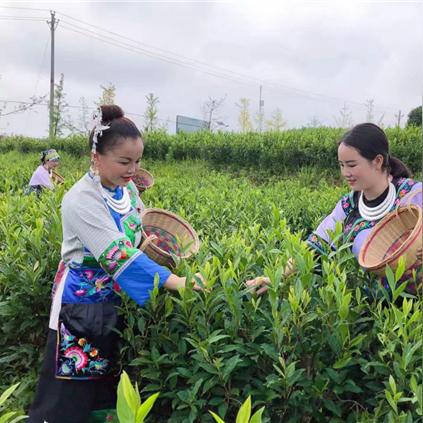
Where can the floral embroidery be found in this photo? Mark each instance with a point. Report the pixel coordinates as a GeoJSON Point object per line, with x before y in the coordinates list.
{"type": "Point", "coordinates": [353, 227]}
{"type": "Point", "coordinates": [91, 283]}
{"type": "Point", "coordinates": [77, 358]}
{"type": "Point", "coordinates": [117, 255]}
{"type": "Point", "coordinates": [405, 185]}
{"type": "Point", "coordinates": [316, 243]}
{"type": "Point", "coordinates": [350, 235]}
{"type": "Point", "coordinates": [133, 194]}
{"type": "Point", "coordinates": [132, 227]}
{"type": "Point", "coordinates": [347, 203]}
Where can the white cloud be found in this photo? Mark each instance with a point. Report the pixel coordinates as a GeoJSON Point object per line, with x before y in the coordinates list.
{"type": "Point", "coordinates": [341, 50]}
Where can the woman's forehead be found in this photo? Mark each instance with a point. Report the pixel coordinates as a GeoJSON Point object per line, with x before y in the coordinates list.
{"type": "Point", "coordinates": [128, 147]}
{"type": "Point", "coordinates": [348, 153]}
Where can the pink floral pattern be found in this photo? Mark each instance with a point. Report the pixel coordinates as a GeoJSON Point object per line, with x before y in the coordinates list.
{"type": "Point", "coordinates": [116, 255]}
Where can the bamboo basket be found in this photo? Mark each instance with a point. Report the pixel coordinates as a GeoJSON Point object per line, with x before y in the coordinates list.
{"type": "Point", "coordinates": [143, 180]}
{"type": "Point", "coordinates": [398, 234]}
{"type": "Point", "coordinates": [167, 237]}
{"type": "Point", "coordinates": [57, 177]}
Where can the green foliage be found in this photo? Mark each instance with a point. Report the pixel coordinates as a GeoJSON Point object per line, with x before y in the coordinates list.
{"type": "Point", "coordinates": [129, 407]}
{"type": "Point", "coordinates": [274, 152]}
{"type": "Point", "coordinates": [9, 416]}
{"type": "Point", "coordinates": [244, 414]}
{"type": "Point", "coordinates": [415, 117]}
{"type": "Point", "coordinates": [317, 347]}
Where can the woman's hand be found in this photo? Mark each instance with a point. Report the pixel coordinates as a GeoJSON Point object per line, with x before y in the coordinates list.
{"type": "Point", "coordinates": [258, 285]}
{"type": "Point", "coordinates": [175, 282]}
{"type": "Point", "coordinates": [198, 287]}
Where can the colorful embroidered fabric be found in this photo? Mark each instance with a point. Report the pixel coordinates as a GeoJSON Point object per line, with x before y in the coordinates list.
{"type": "Point", "coordinates": [117, 256]}
{"type": "Point", "coordinates": [132, 227]}
{"type": "Point", "coordinates": [316, 243]}
{"type": "Point", "coordinates": [355, 228]}
{"type": "Point", "coordinates": [136, 202]}
{"type": "Point", "coordinates": [358, 224]}
{"type": "Point", "coordinates": [353, 223]}
{"type": "Point", "coordinates": [88, 285]}
{"type": "Point", "coordinates": [77, 358]}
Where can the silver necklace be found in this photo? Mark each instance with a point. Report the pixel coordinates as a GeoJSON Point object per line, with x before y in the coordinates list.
{"type": "Point", "coordinates": [121, 206]}
{"type": "Point", "coordinates": [376, 213]}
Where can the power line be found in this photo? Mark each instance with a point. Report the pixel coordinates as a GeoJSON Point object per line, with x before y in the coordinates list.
{"type": "Point", "coordinates": [164, 52]}
{"type": "Point", "coordinates": [38, 79]}
{"type": "Point", "coordinates": [45, 103]}
{"type": "Point", "coordinates": [214, 70]}
{"type": "Point", "coordinates": [116, 43]}
{"type": "Point", "coordinates": [24, 8]}
{"type": "Point", "coordinates": [20, 18]}
{"type": "Point", "coordinates": [184, 61]}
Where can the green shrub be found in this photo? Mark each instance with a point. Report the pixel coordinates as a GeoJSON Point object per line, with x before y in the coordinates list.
{"type": "Point", "coordinates": [275, 152]}
{"type": "Point", "coordinates": [316, 348]}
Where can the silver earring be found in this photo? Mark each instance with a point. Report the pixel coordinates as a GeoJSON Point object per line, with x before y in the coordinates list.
{"type": "Point", "coordinates": [95, 172]}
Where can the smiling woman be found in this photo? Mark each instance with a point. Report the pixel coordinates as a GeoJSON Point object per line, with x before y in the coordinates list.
{"type": "Point", "coordinates": [379, 184]}
{"type": "Point", "coordinates": [100, 256]}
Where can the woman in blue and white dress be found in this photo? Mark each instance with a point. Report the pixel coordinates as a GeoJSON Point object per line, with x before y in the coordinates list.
{"type": "Point", "coordinates": [101, 233]}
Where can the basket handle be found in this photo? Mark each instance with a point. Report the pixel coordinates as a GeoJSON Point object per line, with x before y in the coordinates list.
{"type": "Point", "coordinates": [409, 196]}
{"type": "Point", "coordinates": [147, 242]}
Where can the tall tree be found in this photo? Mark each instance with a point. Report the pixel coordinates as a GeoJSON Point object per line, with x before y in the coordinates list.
{"type": "Point", "coordinates": [415, 117]}
{"type": "Point", "coordinates": [370, 110]}
{"type": "Point", "coordinates": [151, 113]}
{"type": "Point", "coordinates": [108, 95]}
{"type": "Point", "coordinates": [60, 118]}
{"type": "Point", "coordinates": [23, 107]}
{"type": "Point", "coordinates": [210, 109]}
{"type": "Point", "coordinates": [85, 116]}
{"type": "Point", "coordinates": [314, 122]}
{"type": "Point", "coordinates": [344, 120]}
{"type": "Point", "coordinates": [276, 123]}
{"type": "Point", "coordinates": [244, 119]}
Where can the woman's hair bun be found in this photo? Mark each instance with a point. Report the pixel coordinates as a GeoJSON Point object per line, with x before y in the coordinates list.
{"type": "Point", "coordinates": [110, 112]}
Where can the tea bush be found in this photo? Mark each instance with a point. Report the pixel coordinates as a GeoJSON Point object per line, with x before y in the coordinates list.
{"type": "Point", "coordinates": [274, 152]}
{"type": "Point", "coordinates": [318, 347]}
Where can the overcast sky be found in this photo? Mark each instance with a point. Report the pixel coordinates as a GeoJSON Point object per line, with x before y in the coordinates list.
{"type": "Point", "coordinates": [311, 58]}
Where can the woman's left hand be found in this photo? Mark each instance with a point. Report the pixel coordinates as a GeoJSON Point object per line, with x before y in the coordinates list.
{"type": "Point", "coordinates": [198, 287]}
{"type": "Point", "coordinates": [258, 285]}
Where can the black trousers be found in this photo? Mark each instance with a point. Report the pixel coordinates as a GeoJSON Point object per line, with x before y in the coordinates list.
{"type": "Point", "coordinates": [68, 401]}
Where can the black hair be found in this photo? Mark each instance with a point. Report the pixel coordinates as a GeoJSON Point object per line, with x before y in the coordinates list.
{"type": "Point", "coordinates": [120, 127]}
{"type": "Point", "coordinates": [43, 156]}
{"type": "Point", "coordinates": [370, 140]}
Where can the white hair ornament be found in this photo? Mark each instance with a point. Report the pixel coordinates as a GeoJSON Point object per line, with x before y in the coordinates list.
{"type": "Point", "coordinates": [98, 128]}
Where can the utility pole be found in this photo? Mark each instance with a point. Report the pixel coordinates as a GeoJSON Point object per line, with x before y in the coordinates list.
{"type": "Point", "coordinates": [53, 25]}
{"type": "Point", "coordinates": [260, 115]}
{"type": "Point", "coordinates": [399, 116]}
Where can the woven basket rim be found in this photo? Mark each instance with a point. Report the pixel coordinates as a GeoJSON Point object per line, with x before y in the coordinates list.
{"type": "Point", "coordinates": [191, 230]}
{"type": "Point", "coordinates": [415, 233]}
{"type": "Point", "coordinates": [140, 171]}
